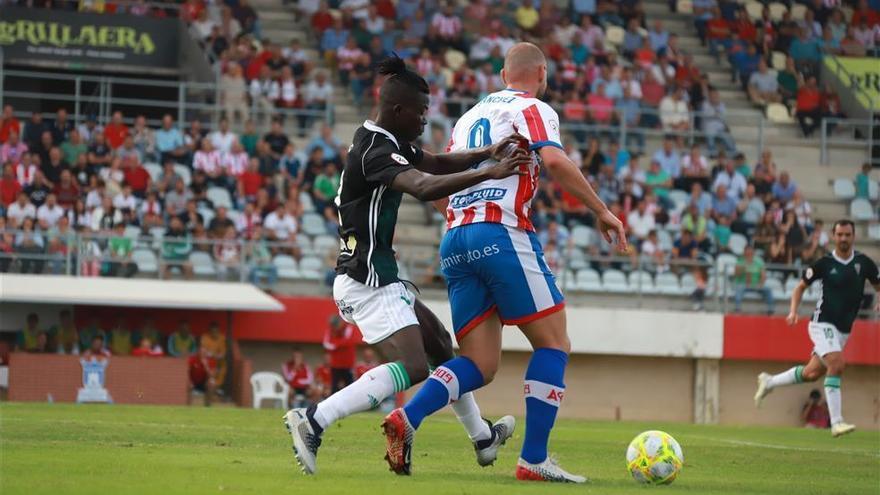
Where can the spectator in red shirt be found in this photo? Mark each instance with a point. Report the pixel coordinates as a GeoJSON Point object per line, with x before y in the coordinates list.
{"type": "Point", "coordinates": [341, 342]}
{"type": "Point", "coordinates": [744, 27]}
{"type": "Point", "coordinates": [601, 106]}
{"type": "Point", "coordinates": [8, 124]}
{"type": "Point", "coordinates": [321, 19]}
{"type": "Point", "coordinates": [865, 13]}
{"type": "Point", "coordinates": [717, 32]}
{"type": "Point", "coordinates": [137, 177]}
{"type": "Point", "coordinates": [66, 190]}
{"type": "Point", "coordinates": [809, 106]}
{"type": "Point", "coordinates": [815, 412]}
{"type": "Point", "coordinates": [250, 181]}
{"type": "Point", "coordinates": [9, 186]}
{"type": "Point", "coordinates": [299, 376]}
{"type": "Point", "coordinates": [202, 370]}
{"type": "Point", "coordinates": [147, 349]}
{"type": "Point", "coordinates": [323, 378]}
{"type": "Point", "coordinates": [369, 362]}
{"type": "Point", "coordinates": [116, 131]}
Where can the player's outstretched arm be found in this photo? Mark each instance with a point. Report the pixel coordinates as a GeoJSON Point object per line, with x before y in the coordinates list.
{"type": "Point", "coordinates": [459, 161]}
{"type": "Point", "coordinates": [428, 187]}
{"type": "Point", "coordinates": [566, 173]}
{"type": "Point", "coordinates": [796, 297]}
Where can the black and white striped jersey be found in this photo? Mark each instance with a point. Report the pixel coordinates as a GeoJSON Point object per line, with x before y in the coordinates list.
{"type": "Point", "coordinates": [368, 206]}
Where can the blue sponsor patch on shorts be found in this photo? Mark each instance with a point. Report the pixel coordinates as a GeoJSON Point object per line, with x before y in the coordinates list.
{"type": "Point", "coordinates": [489, 194]}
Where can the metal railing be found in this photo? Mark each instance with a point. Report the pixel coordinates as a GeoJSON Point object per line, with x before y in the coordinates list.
{"type": "Point", "coordinates": [850, 132]}
{"type": "Point", "coordinates": [634, 277]}
{"type": "Point", "coordinates": [101, 95]}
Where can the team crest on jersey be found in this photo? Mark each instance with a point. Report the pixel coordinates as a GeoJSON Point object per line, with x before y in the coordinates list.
{"type": "Point", "coordinates": [399, 159]}
{"type": "Point", "coordinates": [553, 125]}
{"type": "Point", "coordinates": [809, 273]}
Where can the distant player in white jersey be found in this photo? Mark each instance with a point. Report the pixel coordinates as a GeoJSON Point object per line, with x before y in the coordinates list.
{"type": "Point", "coordinates": [496, 273]}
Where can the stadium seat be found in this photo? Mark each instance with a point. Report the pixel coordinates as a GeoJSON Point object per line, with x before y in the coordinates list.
{"type": "Point", "coordinates": [725, 263]}
{"type": "Point", "coordinates": [268, 385]}
{"type": "Point", "coordinates": [575, 258]}
{"type": "Point", "coordinates": [777, 60]}
{"type": "Point", "coordinates": [777, 11]}
{"type": "Point", "coordinates": [873, 190]}
{"type": "Point", "coordinates": [813, 293]}
{"type": "Point", "coordinates": [583, 236]}
{"type": "Point", "coordinates": [754, 9]}
{"type": "Point", "coordinates": [286, 266]}
{"type": "Point", "coordinates": [588, 279]}
{"type": "Point", "coordinates": [684, 7]}
{"type": "Point", "coordinates": [614, 281]}
{"type": "Point", "coordinates": [184, 173]}
{"type": "Point", "coordinates": [155, 171]}
{"type": "Point", "coordinates": [844, 189]}
{"type": "Point", "coordinates": [455, 59]}
{"type": "Point", "coordinates": [778, 113]}
{"type": "Point", "coordinates": [132, 231]}
{"type": "Point", "coordinates": [790, 284]}
{"type": "Point", "coordinates": [665, 240]}
{"type": "Point", "coordinates": [738, 243]}
{"type": "Point", "coordinates": [207, 215]}
{"type": "Point", "coordinates": [311, 268]}
{"type": "Point", "coordinates": [158, 233]}
{"type": "Point", "coordinates": [776, 287]}
{"type": "Point", "coordinates": [202, 263]}
{"type": "Point", "coordinates": [797, 12]}
{"type": "Point", "coordinates": [219, 196]}
{"type": "Point", "coordinates": [667, 283]}
{"type": "Point", "coordinates": [688, 283]}
{"type": "Point", "coordinates": [567, 280]}
{"type": "Point", "coordinates": [233, 215]}
{"type": "Point", "coordinates": [306, 200]}
{"type": "Point", "coordinates": [324, 243]}
{"type": "Point", "coordinates": [313, 224]}
{"type": "Point", "coordinates": [614, 35]}
{"type": "Point", "coordinates": [145, 259]}
{"type": "Point", "coordinates": [641, 280]}
{"type": "Point", "coordinates": [874, 231]}
{"type": "Point", "coordinates": [680, 199]}
{"type": "Point", "coordinates": [304, 243]}
{"type": "Point", "coordinates": [711, 284]}
{"type": "Point", "coordinates": [861, 210]}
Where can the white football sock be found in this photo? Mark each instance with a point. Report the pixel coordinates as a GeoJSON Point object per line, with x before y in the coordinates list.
{"type": "Point", "coordinates": [364, 394]}
{"type": "Point", "coordinates": [468, 413]}
{"type": "Point", "coordinates": [832, 396]}
{"type": "Point", "coordinates": [787, 377]}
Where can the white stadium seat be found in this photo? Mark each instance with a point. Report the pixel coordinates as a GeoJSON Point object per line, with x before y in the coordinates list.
{"type": "Point", "coordinates": [738, 243]}
{"type": "Point", "coordinates": [844, 188]}
{"type": "Point", "coordinates": [311, 268]}
{"type": "Point", "coordinates": [685, 7]}
{"type": "Point", "coordinates": [873, 190]}
{"type": "Point", "coordinates": [777, 10]}
{"type": "Point", "coordinates": [778, 113]}
{"type": "Point", "coordinates": [667, 283]}
{"type": "Point", "coordinates": [271, 386]}
{"type": "Point", "coordinates": [798, 11]}
{"type": "Point", "coordinates": [776, 287]}
{"type": "Point", "coordinates": [874, 231]}
{"type": "Point", "coordinates": [726, 263]}
{"type": "Point", "coordinates": [575, 258]}
{"type": "Point", "coordinates": [202, 263]}
{"type": "Point", "coordinates": [615, 35]}
{"type": "Point", "coordinates": [614, 281]}
{"type": "Point", "coordinates": [861, 210]}
{"type": "Point", "coordinates": [567, 280]}
{"type": "Point", "coordinates": [286, 266]}
{"type": "Point", "coordinates": [145, 260]}
{"type": "Point", "coordinates": [640, 280]}
{"type": "Point", "coordinates": [184, 173]}
{"type": "Point", "coordinates": [207, 215]}
{"type": "Point", "coordinates": [219, 196]}
{"type": "Point", "coordinates": [306, 200]}
{"type": "Point", "coordinates": [688, 283]}
{"type": "Point", "coordinates": [313, 224]}
{"type": "Point", "coordinates": [583, 236]}
{"type": "Point", "coordinates": [155, 171]}
{"type": "Point", "coordinates": [588, 279]}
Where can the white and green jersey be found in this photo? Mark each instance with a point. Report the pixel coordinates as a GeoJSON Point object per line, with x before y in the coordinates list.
{"type": "Point", "coordinates": [843, 287]}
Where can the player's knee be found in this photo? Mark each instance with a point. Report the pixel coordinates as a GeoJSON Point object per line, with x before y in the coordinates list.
{"type": "Point", "coordinates": [811, 375]}
{"type": "Point", "coordinates": [417, 368]}
{"type": "Point", "coordinates": [836, 368]}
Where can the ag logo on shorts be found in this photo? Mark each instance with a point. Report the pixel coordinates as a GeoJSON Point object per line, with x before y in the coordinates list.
{"type": "Point", "coordinates": [399, 159]}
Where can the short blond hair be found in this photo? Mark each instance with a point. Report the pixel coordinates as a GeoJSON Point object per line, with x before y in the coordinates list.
{"type": "Point", "coordinates": [522, 60]}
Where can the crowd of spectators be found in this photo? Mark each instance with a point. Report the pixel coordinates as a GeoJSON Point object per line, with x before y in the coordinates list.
{"type": "Point", "coordinates": [796, 44]}
{"type": "Point", "coordinates": [205, 354]}
{"type": "Point", "coordinates": [212, 192]}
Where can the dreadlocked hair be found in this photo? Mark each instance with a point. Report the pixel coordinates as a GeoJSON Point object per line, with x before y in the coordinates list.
{"type": "Point", "coordinates": [399, 74]}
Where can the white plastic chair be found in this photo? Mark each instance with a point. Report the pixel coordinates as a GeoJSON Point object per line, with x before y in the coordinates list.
{"type": "Point", "coordinates": [306, 200]}
{"type": "Point", "coordinates": [324, 243]}
{"type": "Point", "coordinates": [286, 266]}
{"type": "Point", "coordinates": [614, 35]}
{"type": "Point", "coordinates": [155, 171]}
{"type": "Point", "coordinates": [311, 268]}
{"type": "Point", "coordinates": [202, 263]}
{"type": "Point", "coordinates": [219, 196]}
{"type": "Point", "coordinates": [582, 236]}
{"type": "Point", "coordinates": [615, 281]}
{"type": "Point", "coordinates": [647, 282]}
{"type": "Point", "coordinates": [798, 12]}
{"type": "Point", "coordinates": [755, 9]}
{"type": "Point", "coordinates": [778, 113]}
{"type": "Point", "coordinates": [777, 11]}
{"type": "Point", "coordinates": [873, 190]}
{"type": "Point", "coordinates": [685, 7]}
{"type": "Point", "coordinates": [777, 59]}
{"type": "Point", "coordinates": [588, 279]}
{"type": "Point", "coordinates": [874, 231]}
{"type": "Point", "coordinates": [145, 260]}
{"type": "Point", "coordinates": [266, 385]}
{"type": "Point", "coordinates": [738, 243]}
{"type": "Point", "coordinates": [667, 283]}
{"type": "Point", "coordinates": [313, 224]}
{"type": "Point", "coordinates": [861, 210]}
{"type": "Point", "coordinates": [207, 215]}
{"type": "Point", "coordinates": [844, 188]}
{"type": "Point", "coordinates": [184, 173]}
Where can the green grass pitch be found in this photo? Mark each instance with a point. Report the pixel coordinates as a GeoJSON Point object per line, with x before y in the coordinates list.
{"type": "Point", "coordinates": [69, 449]}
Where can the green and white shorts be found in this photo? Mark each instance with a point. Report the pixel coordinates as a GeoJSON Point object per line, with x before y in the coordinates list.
{"type": "Point", "coordinates": [379, 312]}
{"type": "Point", "coordinates": [826, 338]}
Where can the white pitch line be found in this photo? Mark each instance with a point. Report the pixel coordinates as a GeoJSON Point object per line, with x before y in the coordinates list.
{"type": "Point", "coordinates": [746, 443]}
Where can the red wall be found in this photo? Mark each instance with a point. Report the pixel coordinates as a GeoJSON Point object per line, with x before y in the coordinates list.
{"type": "Point", "coordinates": [765, 338]}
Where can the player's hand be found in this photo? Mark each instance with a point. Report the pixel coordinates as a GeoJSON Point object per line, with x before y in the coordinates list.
{"type": "Point", "coordinates": [515, 163]}
{"type": "Point", "coordinates": [508, 145]}
{"type": "Point", "coordinates": [792, 318]}
{"type": "Point", "coordinates": [609, 224]}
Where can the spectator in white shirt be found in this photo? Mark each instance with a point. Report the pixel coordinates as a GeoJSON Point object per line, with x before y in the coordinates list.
{"type": "Point", "coordinates": [264, 92]}
{"type": "Point", "coordinates": [281, 224]}
{"type": "Point", "coordinates": [222, 139]}
{"type": "Point", "coordinates": [19, 210]}
{"type": "Point", "coordinates": [694, 165]}
{"type": "Point", "coordinates": [374, 23]}
{"type": "Point", "coordinates": [763, 85]}
{"type": "Point", "coordinates": [714, 115]}
{"type": "Point", "coordinates": [317, 94]}
{"type": "Point", "coordinates": [235, 162]}
{"type": "Point", "coordinates": [634, 172]}
{"type": "Point", "coordinates": [233, 93]}
{"type": "Point", "coordinates": [288, 96]}
{"type": "Point", "coordinates": [49, 213]}
{"type": "Point", "coordinates": [640, 221]}
{"type": "Point", "coordinates": [248, 221]}
{"type": "Point", "coordinates": [125, 200]}
{"type": "Point", "coordinates": [208, 161]}
{"type": "Point", "coordinates": [731, 179]}
{"type": "Point", "coordinates": [802, 209]}
{"type": "Point", "coordinates": [674, 114]}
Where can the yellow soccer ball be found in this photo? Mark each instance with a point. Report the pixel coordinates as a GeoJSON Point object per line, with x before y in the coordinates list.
{"type": "Point", "coordinates": [654, 457]}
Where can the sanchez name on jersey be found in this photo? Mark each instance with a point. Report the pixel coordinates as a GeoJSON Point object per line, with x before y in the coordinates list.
{"type": "Point", "coordinates": [506, 201]}
{"type": "Point", "coordinates": [368, 206]}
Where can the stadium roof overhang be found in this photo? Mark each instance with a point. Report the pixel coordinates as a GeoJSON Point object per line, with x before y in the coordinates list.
{"type": "Point", "coordinates": [49, 289]}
